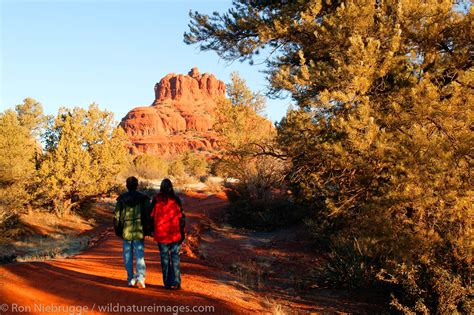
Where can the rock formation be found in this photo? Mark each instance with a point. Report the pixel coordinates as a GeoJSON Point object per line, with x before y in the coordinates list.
{"type": "Point", "coordinates": [180, 118]}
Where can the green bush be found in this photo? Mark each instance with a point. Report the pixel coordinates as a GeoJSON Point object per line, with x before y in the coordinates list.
{"type": "Point", "coordinates": [195, 165]}
{"type": "Point", "coordinates": [18, 151]}
{"type": "Point", "coordinates": [85, 154]}
{"type": "Point", "coordinates": [348, 264]}
{"type": "Point", "coordinates": [262, 214]}
{"type": "Point", "coordinates": [423, 287]}
{"type": "Point", "coordinates": [150, 167]}
{"type": "Point", "coordinates": [177, 168]}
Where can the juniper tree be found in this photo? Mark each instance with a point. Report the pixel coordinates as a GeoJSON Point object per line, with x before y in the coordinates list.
{"type": "Point", "coordinates": [85, 151]}
{"type": "Point", "coordinates": [243, 135]}
{"type": "Point", "coordinates": [383, 129]}
{"type": "Point", "coordinates": [30, 115]}
{"type": "Point", "coordinates": [241, 129]}
{"type": "Point", "coordinates": [17, 167]}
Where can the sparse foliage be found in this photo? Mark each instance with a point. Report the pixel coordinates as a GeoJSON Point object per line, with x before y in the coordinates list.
{"type": "Point", "coordinates": [242, 131]}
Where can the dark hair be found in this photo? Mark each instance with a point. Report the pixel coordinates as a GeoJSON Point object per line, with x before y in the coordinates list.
{"type": "Point", "coordinates": [167, 191]}
{"type": "Point", "coordinates": [132, 183]}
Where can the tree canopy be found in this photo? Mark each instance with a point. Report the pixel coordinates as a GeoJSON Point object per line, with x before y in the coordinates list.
{"type": "Point", "coordinates": [19, 151]}
{"type": "Point", "coordinates": [85, 151]}
{"type": "Point", "coordinates": [241, 129]}
{"type": "Point", "coordinates": [381, 139]}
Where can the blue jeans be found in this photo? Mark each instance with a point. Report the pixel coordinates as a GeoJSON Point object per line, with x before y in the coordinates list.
{"type": "Point", "coordinates": [129, 249]}
{"type": "Point", "coordinates": [169, 254]}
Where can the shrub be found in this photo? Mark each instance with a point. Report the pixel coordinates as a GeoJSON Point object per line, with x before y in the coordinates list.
{"type": "Point", "coordinates": [214, 184]}
{"type": "Point", "coordinates": [147, 188]}
{"type": "Point", "coordinates": [348, 264]}
{"type": "Point", "coordinates": [150, 167]}
{"type": "Point", "coordinates": [258, 199]}
{"type": "Point", "coordinates": [85, 153]}
{"type": "Point", "coordinates": [195, 165]}
{"type": "Point", "coordinates": [183, 180]}
{"type": "Point", "coordinates": [262, 214]}
{"type": "Point", "coordinates": [426, 286]}
{"type": "Point", "coordinates": [17, 164]}
{"type": "Point", "coordinates": [176, 168]}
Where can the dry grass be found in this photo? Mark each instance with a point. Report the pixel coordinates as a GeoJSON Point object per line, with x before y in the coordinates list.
{"type": "Point", "coordinates": [39, 249]}
{"type": "Point", "coordinates": [274, 307]}
{"type": "Point", "coordinates": [39, 235]}
{"type": "Point", "coordinates": [45, 223]}
{"type": "Point", "coordinates": [250, 273]}
{"type": "Point", "coordinates": [214, 184]}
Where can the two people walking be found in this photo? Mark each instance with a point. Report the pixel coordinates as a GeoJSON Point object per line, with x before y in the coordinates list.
{"type": "Point", "coordinates": [135, 218]}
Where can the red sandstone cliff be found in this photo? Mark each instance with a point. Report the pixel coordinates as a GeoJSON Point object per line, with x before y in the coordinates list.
{"type": "Point", "coordinates": [181, 117]}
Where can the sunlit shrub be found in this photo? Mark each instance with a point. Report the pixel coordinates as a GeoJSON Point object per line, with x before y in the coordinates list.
{"type": "Point", "coordinates": [176, 168]}
{"type": "Point", "coordinates": [195, 165]}
{"type": "Point", "coordinates": [150, 167]}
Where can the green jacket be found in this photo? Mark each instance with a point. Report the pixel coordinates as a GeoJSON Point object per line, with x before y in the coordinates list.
{"type": "Point", "coordinates": [132, 211]}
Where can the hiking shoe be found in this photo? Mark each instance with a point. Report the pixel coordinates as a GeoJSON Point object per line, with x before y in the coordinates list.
{"type": "Point", "coordinates": [177, 287]}
{"type": "Point", "coordinates": [141, 284]}
{"type": "Point", "coordinates": [132, 282]}
{"type": "Point", "coordinates": [167, 287]}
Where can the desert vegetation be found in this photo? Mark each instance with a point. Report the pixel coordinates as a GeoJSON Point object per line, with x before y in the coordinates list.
{"type": "Point", "coordinates": [55, 163]}
{"type": "Point", "coordinates": [374, 160]}
{"type": "Point", "coordinates": [184, 169]}
{"type": "Point", "coordinates": [258, 196]}
{"type": "Point", "coordinates": [379, 147]}
{"type": "Point", "coordinates": [19, 155]}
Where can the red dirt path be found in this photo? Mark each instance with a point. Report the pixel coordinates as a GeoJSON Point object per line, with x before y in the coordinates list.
{"type": "Point", "coordinates": [95, 278]}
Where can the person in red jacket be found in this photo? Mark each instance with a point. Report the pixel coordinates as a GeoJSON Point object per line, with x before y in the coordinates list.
{"type": "Point", "coordinates": [168, 219]}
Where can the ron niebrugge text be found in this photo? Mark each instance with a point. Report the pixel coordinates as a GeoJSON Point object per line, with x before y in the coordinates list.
{"type": "Point", "coordinates": [108, 308]}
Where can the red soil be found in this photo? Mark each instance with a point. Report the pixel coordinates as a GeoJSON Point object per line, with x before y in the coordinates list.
{"type": "Point", "coordinates": [96, 277]}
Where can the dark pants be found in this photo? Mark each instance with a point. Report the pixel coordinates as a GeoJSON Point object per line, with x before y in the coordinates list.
{"type": "Point", "coordinates": [169, 254]}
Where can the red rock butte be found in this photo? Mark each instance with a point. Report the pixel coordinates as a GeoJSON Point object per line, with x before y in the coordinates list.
{"type": "Point", "coordinates": [180, 118]}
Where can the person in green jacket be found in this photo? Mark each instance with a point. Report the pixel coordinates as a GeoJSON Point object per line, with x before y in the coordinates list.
{"type": "Point", "coordinates": [131, 223]}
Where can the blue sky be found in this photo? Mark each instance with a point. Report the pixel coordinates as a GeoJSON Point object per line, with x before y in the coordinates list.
{"type": "Point", "coordinates": [73, 53]}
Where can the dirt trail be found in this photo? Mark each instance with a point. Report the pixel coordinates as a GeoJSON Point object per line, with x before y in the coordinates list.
{"type": "Point", "coordinates": [95, 279]}
{"type": "Point", "coordinates": [231, 272]}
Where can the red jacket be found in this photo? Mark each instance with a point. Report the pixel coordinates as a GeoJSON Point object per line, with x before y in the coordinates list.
{"type": "Point", "coordinates": [166, 213]}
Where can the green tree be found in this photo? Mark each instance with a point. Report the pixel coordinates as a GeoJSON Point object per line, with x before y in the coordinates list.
{"type": "Point", "coordinates": [241, 129]}
{"type": "Point", "coordinates": [17, 167]}
{"type": "Point", "coordinates": [381, 141]}
{"type": "Point", "coordinates": [243, 132]}
{"type": "Point", "coordinates": [244, 135]}
{"type": "Point", "coordinates": [30, 116]}
{"type": "Point", "coordinates": [176, 168]}
{"type": "Point", "coordinates": [150, 166]}
{"type": "Point", "coordinates": [241, 96]}
{"type": "Point", "coordinates": [85, 152]}
{"type": "Point", "coordinates": [195, 164]}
